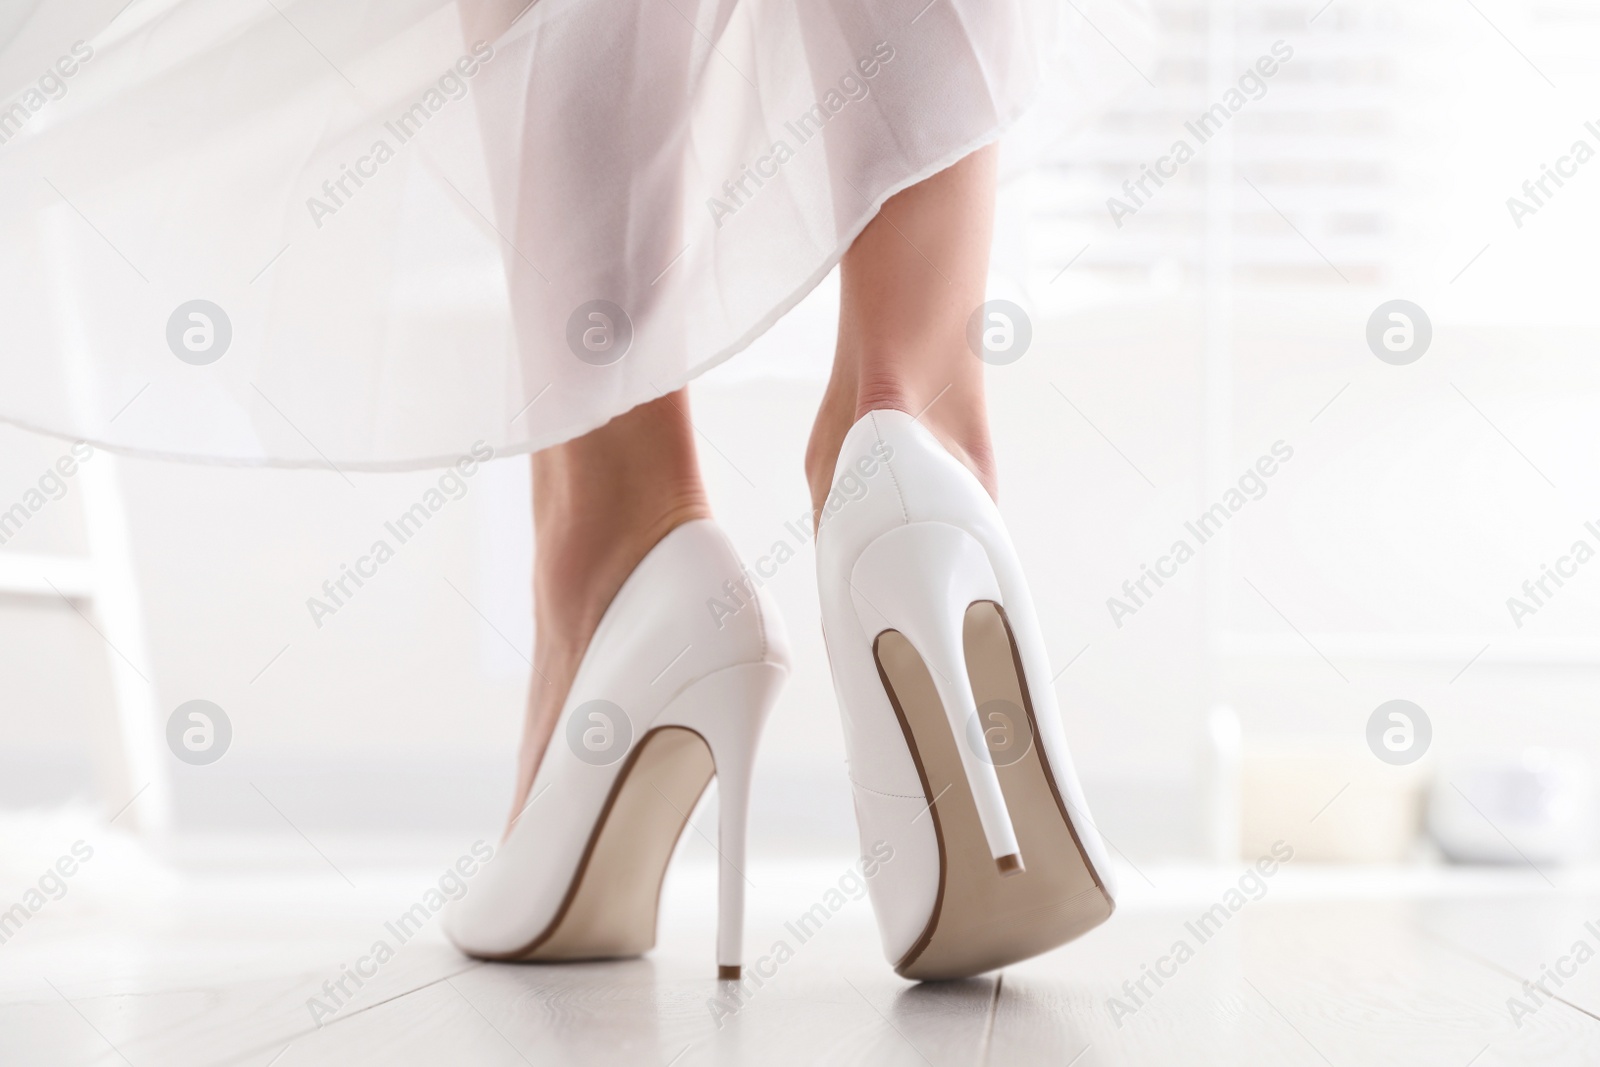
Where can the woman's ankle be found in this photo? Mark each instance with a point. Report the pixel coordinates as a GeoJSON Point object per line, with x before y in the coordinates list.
{"type": "Point", "coordinates": [955, 415]}
{"type": "Point", "coordinates": [582, 562]}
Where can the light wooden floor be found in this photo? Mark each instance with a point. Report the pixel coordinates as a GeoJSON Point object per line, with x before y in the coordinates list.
{"type": "Point", "coordinates": [146, 965]}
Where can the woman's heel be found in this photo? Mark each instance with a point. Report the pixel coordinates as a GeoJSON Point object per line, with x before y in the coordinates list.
{"type": "Point", "coordinates": [929, 621]}
{"type": "Point", "coordinates": [583, 881]}
{"type": "Point", "coordinates": [728, 710]}
{"type": "Point", "coordinates": [919, 580]}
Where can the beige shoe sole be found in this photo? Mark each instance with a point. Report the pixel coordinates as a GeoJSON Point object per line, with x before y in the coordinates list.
{"type": "Point", "coordinates": [610, 909]}
{"type": "Point", "coordinates": [988, 914]}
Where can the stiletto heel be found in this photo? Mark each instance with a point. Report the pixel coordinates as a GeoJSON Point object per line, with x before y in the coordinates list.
{"type": "Point", "coordinates": [957, 754]}
{"type": "Point", "coordinates": [728, 710]}
{"type": "Point", "coordinates": [673, 690]}
{"type": "Point", "coordinates": [733, 804]}
{"type": "Point", "coordinates": [918, 580]}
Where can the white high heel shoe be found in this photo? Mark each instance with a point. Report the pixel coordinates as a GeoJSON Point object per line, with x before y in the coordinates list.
{"type": "Point", "coordinates": [674, 688]}
{"type": "Point", "coordinates": [957, 755]}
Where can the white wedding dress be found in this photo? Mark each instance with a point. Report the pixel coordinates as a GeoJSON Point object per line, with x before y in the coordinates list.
{"type": "Point", "coordinates": [374, 235]}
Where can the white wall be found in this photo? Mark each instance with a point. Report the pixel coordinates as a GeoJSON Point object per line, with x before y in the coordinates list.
{"type": "Point", "coordinates": [1419, 498]}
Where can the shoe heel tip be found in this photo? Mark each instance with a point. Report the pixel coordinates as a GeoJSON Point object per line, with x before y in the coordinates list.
{"type": "Point", "coordinates": [1009, 865]}
{"type": "Point", "coordinates": [726, 973]}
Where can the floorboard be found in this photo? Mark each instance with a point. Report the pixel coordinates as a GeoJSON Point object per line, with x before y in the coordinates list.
{"type": "Point", "coordinates": [181, 967]}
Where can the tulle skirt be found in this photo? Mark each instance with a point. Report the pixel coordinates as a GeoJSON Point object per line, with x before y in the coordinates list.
{"type": "Point", "coordinates": [383, 236]}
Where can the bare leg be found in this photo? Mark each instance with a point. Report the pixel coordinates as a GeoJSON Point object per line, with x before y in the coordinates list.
{"type": "Point", "coordinates": [600, 503]}
{"type": "Point", "coordinates": [908, 286]}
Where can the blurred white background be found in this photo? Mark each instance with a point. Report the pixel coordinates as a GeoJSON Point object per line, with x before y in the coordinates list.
{"type": "Point", "coordinates": [1169, 353]}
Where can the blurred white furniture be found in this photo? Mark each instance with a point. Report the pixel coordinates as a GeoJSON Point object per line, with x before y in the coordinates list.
{"type": "Point", "coordinates": [100, 587]}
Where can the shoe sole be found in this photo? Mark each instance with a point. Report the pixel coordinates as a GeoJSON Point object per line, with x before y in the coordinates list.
{"type": "Point", "coordinates": [985, 917]}
{"type": "Point", "coordinates": [610, 909]}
